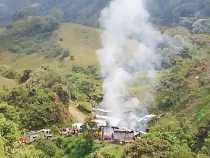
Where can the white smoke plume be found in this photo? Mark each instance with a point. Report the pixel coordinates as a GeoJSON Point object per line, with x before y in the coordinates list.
{"type": "Point", "coordinates": [128, 50]}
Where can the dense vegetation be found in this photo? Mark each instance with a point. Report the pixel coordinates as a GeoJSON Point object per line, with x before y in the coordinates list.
{"type": "Point", "coordinates": [41, 100]}
{"type": "Point", "coordinates": [83, 12]}
{"type": "Point", "coordinates": [182, 99]}
{"type": "Point", "coordinates": [171, 11]}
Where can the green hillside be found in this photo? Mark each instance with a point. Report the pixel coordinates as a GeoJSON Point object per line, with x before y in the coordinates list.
{"type": "Point", "coordinates": [182, 102]}
{"type": "Point", "coordinates": [7, 83]}
{"type": "Point", "coordinates": [86, 12]}
{"type": "Point", "coordinates": [82, 42]}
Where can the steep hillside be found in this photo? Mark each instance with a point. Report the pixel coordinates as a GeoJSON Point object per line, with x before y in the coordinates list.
{"type": "Point", "coordinates": [79, 11]}
{"type": "Point", "coordinates": [170, 11]}
{"type": "Point", "coordinates": [80, 41]}
{"type": "Point", "coordinates": [87, 11]}
{"type": "Point", "coordinates": [182, 128]}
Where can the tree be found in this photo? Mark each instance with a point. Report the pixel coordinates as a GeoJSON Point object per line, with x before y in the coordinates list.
{"type": "Point", "coordinates": [78, 147]}
{"type": "Point", "coordinates": [148, 148]}
{"type": "Point", "coordinates": [206, 146]}
{"type": "Point", "coordinates": [25, 76]}
{"type": "Point", "coordinates": [49, 148]}
{"type": "Point", "coordinates": [29, 151]}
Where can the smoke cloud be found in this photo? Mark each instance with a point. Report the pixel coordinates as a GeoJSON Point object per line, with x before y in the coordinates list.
{"type": "Point", "coordinates": [128, 52]}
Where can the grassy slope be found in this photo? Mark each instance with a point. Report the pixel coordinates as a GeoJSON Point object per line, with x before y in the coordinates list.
{"type": "Point", "coordinates": [190, 78]}
{"type": "Point", "coordinates": [82, 41]}
{"type": "Point", "coordinates": [7, 83]}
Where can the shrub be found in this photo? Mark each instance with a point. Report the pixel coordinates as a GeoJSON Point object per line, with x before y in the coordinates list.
{"type": "Point", "coordinates": [28, 151]}
{"type": "Point", "coordinates": [49, 148]}
{"type": "Point", "coordinates": [25, 76]}
{"type": "Point", "coordinates": [9, 131]}
{"type": "Point", "coordinates": [148, 148]}
{"type": "Point", "coordinates": [78, 147]}
{"type": "Point", "coordinates": [108, 151]}
{"type": "Point", "coordinates": [33, 35]}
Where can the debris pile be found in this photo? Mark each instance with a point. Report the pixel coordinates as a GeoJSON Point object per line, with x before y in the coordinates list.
{"type": "Point", "coordinates": [107, 132]}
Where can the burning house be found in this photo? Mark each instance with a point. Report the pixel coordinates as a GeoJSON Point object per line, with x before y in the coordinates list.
{"type": "Point", "coordinates": [100, 117]}
{"type": "Point", "coordinates": [128, 58]}
{"type": "Point", "coordinates": [110, 133]}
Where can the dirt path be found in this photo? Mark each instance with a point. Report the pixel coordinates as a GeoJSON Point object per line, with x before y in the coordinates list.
{"type": "Point", "coordinates": [77, 115]}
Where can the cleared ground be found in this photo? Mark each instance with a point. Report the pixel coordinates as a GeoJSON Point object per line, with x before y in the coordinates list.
{"type": "Point", "coordinates": [76, 114]}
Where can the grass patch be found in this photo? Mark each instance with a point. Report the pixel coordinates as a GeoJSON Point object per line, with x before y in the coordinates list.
{"type": "Point", "coordinates": [20, 62]}
{"type": "Point", "coordinates": [110, 150]}
{"type": "Point", "coordinates": [7, 83]}
{"type": "Point", "coordinates": [82, 42]}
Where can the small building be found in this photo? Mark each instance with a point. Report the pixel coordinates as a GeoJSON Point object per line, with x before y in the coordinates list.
{"type": "Point", "coordinates": [31, 136]}
{"type": "Point", "coordinates": [35, 135]}
{"type": "Point", "coordinates": [100, 123]}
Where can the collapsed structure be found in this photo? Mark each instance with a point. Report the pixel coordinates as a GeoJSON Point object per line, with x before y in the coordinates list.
{"type": "Point", "coordinates": [112, 133]}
